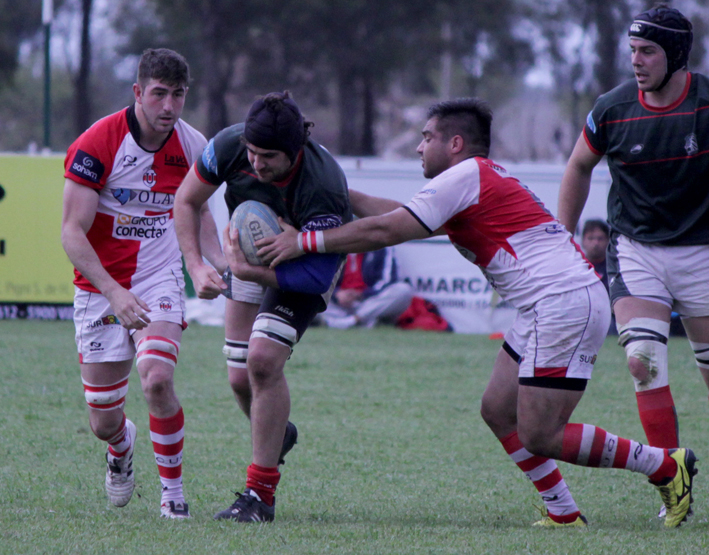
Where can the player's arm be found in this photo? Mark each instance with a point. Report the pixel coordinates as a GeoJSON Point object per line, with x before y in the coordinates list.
{"type": "Point", "coordinates": [80, 204]}
{"type": "Point", "coordinates": [576, 183]}
{"type": "Point", "coordinates": [365, 234]}
{"type": "Point", "coordinates": [191, 197]}
{"type": "Point", "coordinates": [364, 205]}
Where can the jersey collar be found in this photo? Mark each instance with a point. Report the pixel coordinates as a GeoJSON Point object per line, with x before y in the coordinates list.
{"type": "Point", "coordinates": [285, 182]}
{"type": "Point", "coordinates": [641, 98]}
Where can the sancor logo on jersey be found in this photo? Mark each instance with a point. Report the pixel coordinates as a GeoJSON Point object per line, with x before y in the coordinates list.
{"type": "Point", "coordinates": [691, 145]}
{"type": "Point", "coordinates": [150, 177]}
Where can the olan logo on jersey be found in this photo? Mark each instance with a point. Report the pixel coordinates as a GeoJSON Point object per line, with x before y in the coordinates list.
{"type": "Point", "coordinates": [87, 167]}
{"type": "Point", "coordinates": [123, 195]}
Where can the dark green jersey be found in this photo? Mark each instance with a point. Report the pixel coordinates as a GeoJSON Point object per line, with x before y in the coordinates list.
{"type": "Point", "coordinates": [313, 194]}
{"type": "Point", "coordinates": [659, 163]}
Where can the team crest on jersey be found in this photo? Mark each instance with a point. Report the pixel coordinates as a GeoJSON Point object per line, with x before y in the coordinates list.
{"type": "Point", "coordinates": [123, 195]}
{"type": "Point", "coordinates": [165, 304]}
{"type": "Point", "coordinates": [150, 176]}
{"type": "Point", "coordinates": [691, 145]}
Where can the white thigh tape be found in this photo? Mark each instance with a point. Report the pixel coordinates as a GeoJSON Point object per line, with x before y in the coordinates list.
{"type": "Point", "coordinates": [236, 353]}
{"type": "Point", "coordinates": [646, 340]}
{"type": "Point", "coordinates": [272, 327]}
{"type": "Point", "coordinates": [158, 348]}
{"type": "Point", "coordinates": [106, 397]}
{"type": "Point", "coordinates": [701, 352]}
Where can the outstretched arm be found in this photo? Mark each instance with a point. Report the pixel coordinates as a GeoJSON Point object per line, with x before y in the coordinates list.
{"type": "Point", "coordinates": [576, 183]}
{"type": "Point", "coordinates": [365, 234]}
{"type": "Point", "coordinates": [364, 205]}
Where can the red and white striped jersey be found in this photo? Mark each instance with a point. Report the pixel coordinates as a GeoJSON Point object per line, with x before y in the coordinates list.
{"type": "Point", "coordinates": [134, 232]}
{"type": "Point", "coordinates": [499, 224]}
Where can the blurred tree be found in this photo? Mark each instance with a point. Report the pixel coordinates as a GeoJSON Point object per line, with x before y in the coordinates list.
{"type": "Point", "coordinates": [82, 94]}
{"type": "Point", "coordinates": [18, 22]}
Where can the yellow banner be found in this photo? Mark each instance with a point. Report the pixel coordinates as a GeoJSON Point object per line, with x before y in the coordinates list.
{"type": "Point", "coordinates": [33, 265]}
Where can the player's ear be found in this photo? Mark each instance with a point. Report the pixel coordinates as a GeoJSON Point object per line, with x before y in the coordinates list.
{"type": "Point", "coordinates": [457, 144]}
{"type": "Point", "coordinates": [136, 92]}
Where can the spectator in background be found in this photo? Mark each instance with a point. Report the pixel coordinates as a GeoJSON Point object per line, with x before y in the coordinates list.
{"type": "Point", "coordinates": [368, 292]}
{"type": "Point", "coordinates": [594, 241]}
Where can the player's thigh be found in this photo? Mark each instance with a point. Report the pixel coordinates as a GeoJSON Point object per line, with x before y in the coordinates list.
{"type": "Point", "coordinates": [99, 335]}
{"type": "Point", "coordinates": [544, 412]}
{"type": "Point", "coordinates": [239, 319]}
{"type": "Point", "coordinates": [637, 270]}
{"type": "Point", "coordinates": [566, 333]}
{"type": "Point", "coordinates": [499, 400]}
{"type": "Point", "coordinates": [627, 308]}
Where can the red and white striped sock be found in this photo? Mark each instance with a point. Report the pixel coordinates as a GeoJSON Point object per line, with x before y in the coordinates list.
{"type": "Point", "coordinates": [546, 477]}
{"type": "Point", "coordinates": [119, 443]}
{"type": "Point", "coordinates": [587, 445]}
{"type": "Point", "coordinates": [167, 435]}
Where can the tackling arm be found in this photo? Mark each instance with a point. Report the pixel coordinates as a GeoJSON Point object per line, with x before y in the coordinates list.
{"type": "Point", "coordinates": [576, 183]}
{"type": "Point", "coordinates": [364, 205]}
{"type": "Point", "coordinates": [365, 234]}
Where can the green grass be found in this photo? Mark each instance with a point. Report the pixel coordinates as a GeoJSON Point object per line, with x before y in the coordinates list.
{"type": "Point", "coordinates": [393, 456]}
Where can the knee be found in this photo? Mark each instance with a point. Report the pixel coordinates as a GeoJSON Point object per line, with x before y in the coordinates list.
{"type": "Point", "coordinates": [639, 370]}
{"type": "Point", "coordinates": [239, 381]}
{"type": "Point", "coordinates": [263, 368]}
{"type": "Point", "coordinates": [536, 441]}
{"type": "Point", "coordinates": [156, 382]}
{"type": "Point", "coordinates": [496, 417]}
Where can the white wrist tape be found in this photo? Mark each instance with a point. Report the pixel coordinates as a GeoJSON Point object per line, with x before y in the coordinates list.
{"type": "Point", "coordinates": [311, 241]}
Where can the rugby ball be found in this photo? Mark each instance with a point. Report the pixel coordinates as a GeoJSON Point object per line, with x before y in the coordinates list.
{"type": "Point", "coordinates": [253, 220]}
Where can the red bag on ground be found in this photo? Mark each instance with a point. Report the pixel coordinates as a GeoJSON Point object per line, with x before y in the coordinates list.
{"type": "Point", "coordinates": [422, 315]}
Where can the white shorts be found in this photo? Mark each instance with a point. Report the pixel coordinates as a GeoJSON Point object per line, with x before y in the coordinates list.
{"type": "Point", "coordinates": [100, 337]}
{"type": "Point", "coordinates": [560, 336]}
{"type": "Point", "coordinates": [676, 276]}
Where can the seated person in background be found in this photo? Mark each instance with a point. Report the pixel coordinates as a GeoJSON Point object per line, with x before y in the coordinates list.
{"type": "Point", "coordinates": [368, 292]}
{"type": "Point", "coordinates": [594, 241]}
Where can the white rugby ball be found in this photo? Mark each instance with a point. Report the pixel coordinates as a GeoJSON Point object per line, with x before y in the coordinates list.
{"type": "Point", "coordinates": [253, 220]}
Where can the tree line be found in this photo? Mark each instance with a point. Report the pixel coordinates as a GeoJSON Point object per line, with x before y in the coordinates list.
{"type": "Point", "coordinates": [355, 64]}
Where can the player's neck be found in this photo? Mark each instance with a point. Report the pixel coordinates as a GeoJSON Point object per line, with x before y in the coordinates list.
{"type": "Point", "coordinates": [150, 139]}
{"type": "Point", "coordinates": [670, 93]}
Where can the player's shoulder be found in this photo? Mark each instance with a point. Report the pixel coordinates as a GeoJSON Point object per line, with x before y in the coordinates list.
{"type": "Point", "coordinates": [623, 94]}
{"type": "Point", "coordinates": [229, 137]}
{"type": "Point", "coordinates": [318, 161]}
{"type": "Point", "coordinates": [700, 83]}
{"type": "Point", "coordinates": [186, 131]}
{"type": "Point", "coordinates": [112, 124]}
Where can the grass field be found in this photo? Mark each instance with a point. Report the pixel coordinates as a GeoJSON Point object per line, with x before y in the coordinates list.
{"type": "Point", "coordinates": [393, 456]}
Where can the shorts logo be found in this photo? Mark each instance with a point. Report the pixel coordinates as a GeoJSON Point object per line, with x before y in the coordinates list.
{"type": "Point", "coordinates": [284, 310]}
{"type": "Point", "coordinates": [691, 145]}
{"type": "Point", "coordinates": [588, 359]}
{"type": "Point", "coordinates": [110, 320]}
{"type": "Point", "coordinates": [150, 177]}
{"type": "Point", "coordinates": [165, 304]}
{"type": "Point", "coordinates": [427, 192]}
{"type": "Point", "coordinates": [637, 149]}
{"type": "Point", "coordinates": [95, 346]}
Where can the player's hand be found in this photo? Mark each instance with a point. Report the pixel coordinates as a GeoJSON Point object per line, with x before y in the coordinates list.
{"type": "Point", "coordinates": [234, 256]}
{"type": "Point", "coordinates": [281, 247]}
{"type": "Point", "coordinates": [207, 282]}
{"type": "Point", "coordinates": [130, 309]}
